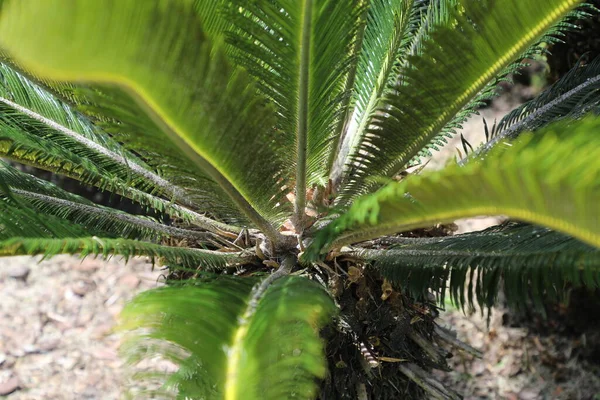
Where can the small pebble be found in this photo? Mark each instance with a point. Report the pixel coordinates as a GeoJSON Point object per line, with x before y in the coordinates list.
{"type": "Point", "coordinates": [19, 272]}
{"type": "Point", "coordinates": [131, 281]}
{"type": "Point", "coordinates": [48, 345]}
{"type": "Point", "coordinates": [81, 288]}
{"type": "Point", "coordinates": [9, 386]}
{"type": "Point", "coordinates": [30, 349]}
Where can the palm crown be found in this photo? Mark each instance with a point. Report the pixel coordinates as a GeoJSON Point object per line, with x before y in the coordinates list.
{"type": "Point", "coordinates": [272, 134]}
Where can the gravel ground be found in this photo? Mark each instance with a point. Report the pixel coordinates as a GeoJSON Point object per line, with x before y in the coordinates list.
{"type": "Point", "coordinates": [57, 316]}
{"type": "Point", "coordinates": [519, 364]}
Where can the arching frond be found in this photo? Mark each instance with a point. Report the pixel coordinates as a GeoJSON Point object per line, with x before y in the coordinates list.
{"type": "Point", "coordinates": [574, 95]}
{"type": "Point", "coordinates": [228, 343]}
{"type": "Point", "coordinates": [18, 219]}
{"type": "Point", "coordinates": [39, 129]}
{"type": "Point", "coordinates": [551, 179]}
{"type": "Point", "coordinates": [17, 144]}
{"type": "Point", "coordinates": [33, 111]}
{"type": "Point", "coordinates": [527, 262]}
{"type": "Point", "coordinates": [110, 247]}
{"type": "Point", "coordinates": [395, 32]}
{"type": "Point", "coordinates": [21, 97]}
{"type": "Point", "coordinates": [550, 37]}
{"type": "Point", "coordinates": [386, 43]}
{"type": "Point", "coordinates": [44, 198]}
{"type": "Point", "coordinates": [434, 14]}
{"type": "Point", "coordinates": [125, 120]}
{"type": "Point", "coordinates": [301, 53]}
{"type": "Point", "coordinates": [438, 89]}
{"type": "Point", "coordinates": [29, 153]}
{"type": "Point", "coordinates": [181, 80]}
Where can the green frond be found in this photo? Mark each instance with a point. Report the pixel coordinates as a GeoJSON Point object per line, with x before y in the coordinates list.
{"type": "Point", "coordinates": [212, 15]}
{"type": "Point", "coordinates": [126, 121]}
{"type": "Point", "coordinates": [44, 198]}
{"type": "Point", "coordinates": [40, 143]}
{"type": "Point", "coordinates": [301, 52]}
{"type": "Point", "coordinates": [550, 178]}
{"type": "Point", "coordinates": [529, 263]}
{"type": "Point", "coordinates": [127, 248]}
{"type": "Point", "coordinates": [20, 97]}
{"type": "Point", "coordinates": [104, 219]}
{"type": "Point", "coordinates": [36, 112]}
{"type": "Point", "coordinates": [183, 83]}
{"type": "Point", "coordinates": [38, 129]}
{"type": "Point", "coordinates": [18, 145]}
{"type": "Point", "coordinates": [551, 36]}
{"type": "Point", "coordinates": [573, 96]}
{"type": "Point", "coordinates": [386, 41]}
{"type": "Point", "coordinates": [459, 65]}
{"type": "Point", "coordinates": [18, 219]}
{"type": "Point", "coordinates": [229, 344]}
{"type": "Point", "coordinates": [434, 14]}
{"type": "Point", "coordinates": [36, 152]}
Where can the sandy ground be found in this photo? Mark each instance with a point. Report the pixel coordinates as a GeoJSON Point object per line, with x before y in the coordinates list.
{"type": "Point", "coordinates": [518, 364]}
{"type": "Point", "coordinates": [57, 316]}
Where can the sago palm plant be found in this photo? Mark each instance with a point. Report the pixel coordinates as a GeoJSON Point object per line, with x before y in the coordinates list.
{"type": "Point", "coordinates": [277, 145]}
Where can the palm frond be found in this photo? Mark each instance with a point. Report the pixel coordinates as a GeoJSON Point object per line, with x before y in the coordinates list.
{"type": "Point", "coordinates": [573, 96]}
{"type": "Point", "coordinates": [550, 37]}
{"type": "Point", "coordinates": [212, 15]}
{"type": "Point", "coordinates": [128, 123]}
{"type": "Point", "coordinates": [529, 263]}
{"type": "Point", "coordinates": [18, 219]}
{"type": "Point", "coordinates": [230, 344]}
{"type": "Point", "coordinates": [105, 219]}
{"type": "Point", "coordinates": [301, 53]}
{"type": "Point", "coordinates": [460, 63]}
{"type": "Point", "coordinates": [109, 247]}
{"type": "Point", "coordinates": [434, 14]}
{"type": "Point", "coordinates": [38, 113]}
{"type": "Point", "coordinates": [386, 41]}
{"type": "Point", "coordinates": [44, 198]}
{"type": "Point", "coordinates": [36, 152]}
{"type": "Point", "coordinates": [182, 83]}
{"type": "Point", "coordinates": [551, 179]}
{"type": "Point", "coordinates": [38, 129]}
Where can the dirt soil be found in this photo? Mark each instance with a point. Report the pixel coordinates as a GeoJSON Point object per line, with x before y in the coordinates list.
{"type": "Point", "coordinates": [56, 340]}
{"type": "Point", "coordinates": [57, 316]}
{"type": "Point", "coordinates": [519, 363]}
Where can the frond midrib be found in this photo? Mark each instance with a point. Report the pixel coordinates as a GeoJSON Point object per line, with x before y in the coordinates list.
{"type": "Point", "coordinates": [135, 195]}
{"type": "Point", "coordinates": [452, 215]}
{"type": "Point", "coordinates": [509, 132]}
{"type": "Point", "coordinates": [196, 155]}
{"type": "Point", "coordinates": [141, 82]}
{"type": "Point", "coordinates": [118, 215]}
{"type": "Point", "coordinates": [302, 107]}
{"type": "Point", "coordinates": [371, 253]}
{"type": "Point", "coordinates": [107, 247]}
{"type": "Point", "coordinates": [338, 140]}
